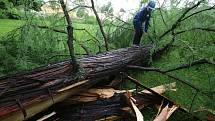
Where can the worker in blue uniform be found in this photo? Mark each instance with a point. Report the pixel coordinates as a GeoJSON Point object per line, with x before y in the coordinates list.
{"type": "Point", "coordinates": [142, 17]}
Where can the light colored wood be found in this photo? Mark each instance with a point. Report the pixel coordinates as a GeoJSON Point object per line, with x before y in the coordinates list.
{"type": "Point", "coordinates": [37, 107]}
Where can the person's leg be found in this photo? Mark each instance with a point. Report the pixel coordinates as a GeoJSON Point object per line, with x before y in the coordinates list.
{"type": "Point", "coordinates": [138, 33]}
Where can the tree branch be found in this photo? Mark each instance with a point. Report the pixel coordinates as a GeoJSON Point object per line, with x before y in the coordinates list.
{"type": "Point", "coordinates": [197, 62]}
{"type": "Point", "coordinates": [186, 82]}
{"type": "Point", "coordinates": [100, 26]}
{"type": "Point", "coordinates": [177, 23]}
{"type": "Point", "coordinates": [162, 17]}
{"type": "Point", "coordinates": [166, 100]}
{"type": "Point", "coordinates": [79, 6]}
{"type": "Point", "coordinates": [183, 66]}
{"type": "Point", "coordinates": [197, 28]}
{"type": "Point", "coordinates": [50, 28]}
{"type": "Point", "coordinates": [70, 35]}
{"type": "Point", "coordinates": [98, 42]}
{"type": "Point", "coordinates": [88, 52]}
{"type": "Point", "coordinates": [213, 7]}
{"type": "Point", "coordinates": [157, 54]}
{"type": "Point", "coordinates": [191, 105]}
{"type": "Point", "coordinates": [117, 18]}
{"type": "Point", "coordinates": [122, 26]}
{"type": "Point", "coordinates": [164, 73]}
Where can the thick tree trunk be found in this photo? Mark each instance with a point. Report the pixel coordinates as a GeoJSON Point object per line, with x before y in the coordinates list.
{"type": "Point", "coordinates": [53, 83]}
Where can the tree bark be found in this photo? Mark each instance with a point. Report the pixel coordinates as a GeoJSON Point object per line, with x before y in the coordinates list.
{"type": "Point", "coordinates": [70, 36]}
{"type": "Point", "coordinates": [46, 84]}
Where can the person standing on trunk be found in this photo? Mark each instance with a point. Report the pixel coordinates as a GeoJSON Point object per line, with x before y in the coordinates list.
{"type": "Point", "coordinates": [142, 17]}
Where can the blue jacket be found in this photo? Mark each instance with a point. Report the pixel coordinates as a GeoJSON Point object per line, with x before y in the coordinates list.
{"type": "Point", "coordinates": [142, 17]}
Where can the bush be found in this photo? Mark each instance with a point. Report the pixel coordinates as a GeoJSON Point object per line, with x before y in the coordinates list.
{"type": "Point", "coordinates": [8, 11]}
{"type": "Point", "coordinates": [3, 14]}
{"type": "Point", "coordinates": [90, 20]}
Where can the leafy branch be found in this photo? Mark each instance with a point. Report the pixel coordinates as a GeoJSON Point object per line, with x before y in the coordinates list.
{"type": "Point", "coordinates": [180, 19]}
{"type": "Point", "coordinates": [186, 82]}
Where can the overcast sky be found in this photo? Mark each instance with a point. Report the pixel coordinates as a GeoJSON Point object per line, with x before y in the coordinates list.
{"type": "Point", "coordinates": [130, 6]}
{"type": "Point", "coordinates": [118, 4]}
{"type": "Point", "coordinates": [134, 4]}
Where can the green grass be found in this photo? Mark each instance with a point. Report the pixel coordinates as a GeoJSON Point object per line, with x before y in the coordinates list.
{"type": "Point", "coordinates": [7, 25]}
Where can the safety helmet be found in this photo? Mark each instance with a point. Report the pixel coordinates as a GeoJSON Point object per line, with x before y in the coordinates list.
{"type": "Point", "coordinates": [151, 5]}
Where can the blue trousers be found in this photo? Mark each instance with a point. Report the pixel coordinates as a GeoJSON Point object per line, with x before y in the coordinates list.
{"type": "Point", "coordinates": [138, 32]}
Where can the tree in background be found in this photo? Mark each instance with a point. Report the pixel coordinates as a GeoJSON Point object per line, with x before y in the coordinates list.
{"type": "Point", "coordinates": [82, 12]}
{"type": "Point", "coordinates": [12, 8]}
{"type": "Point", "coordinates": [8, 10]}
{"type": "Point", "coordinates": [107, 8]}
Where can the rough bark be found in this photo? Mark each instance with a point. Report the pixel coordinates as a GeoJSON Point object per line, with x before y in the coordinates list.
{"type": "Point", "coordinates": [45, 84]}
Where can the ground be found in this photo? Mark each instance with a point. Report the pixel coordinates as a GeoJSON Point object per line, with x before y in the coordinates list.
{"type": "Point", "coordinates": [7, 25]}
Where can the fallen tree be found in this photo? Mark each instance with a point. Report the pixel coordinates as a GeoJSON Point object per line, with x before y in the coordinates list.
{"type": "Point", "coordinates": [106, 103]}
{"type": "Point", "coordinates": [30, 93]}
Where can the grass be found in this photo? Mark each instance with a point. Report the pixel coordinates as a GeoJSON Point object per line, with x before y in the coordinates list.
{"type": "Point", "coordinates": [7, 25]}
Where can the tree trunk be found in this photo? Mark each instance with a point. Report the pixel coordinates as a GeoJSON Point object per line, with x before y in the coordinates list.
{"type": "Point", "coordinates": [43, 87]}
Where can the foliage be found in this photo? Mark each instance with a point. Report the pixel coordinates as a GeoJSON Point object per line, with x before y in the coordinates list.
{"type": "Point", "coordinates": [7, 10]}
{"type": "Point", "coordinates": [19, 47]}
{"type": "Point", "coordinates": [31, 46]}
{"type": "Point", "coordinates": [30, 4]}
{"type": "Point", "coordinates": [107, 8]}
{"type": "Point", "coordinates": [12, 8]}
{"type": "Point", "coordinates": [54, 4]}
{"type": "Point", "coordinates": [81, 12]}
{"type": "Point", "coordinates": [188, 46]}
{"type": "Point", "coordinates": [121, 37]}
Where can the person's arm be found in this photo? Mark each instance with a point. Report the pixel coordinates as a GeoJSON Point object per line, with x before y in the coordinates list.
{"type": "Point", "coordinates": [146, 24]}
